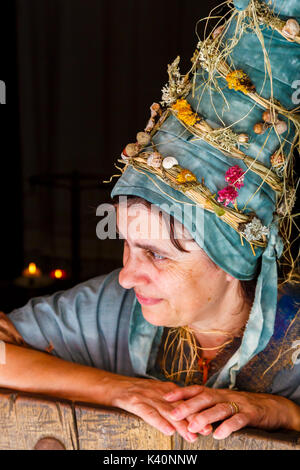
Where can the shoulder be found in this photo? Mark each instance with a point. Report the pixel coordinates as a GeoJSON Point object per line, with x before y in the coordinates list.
{"type": "Point", "coordinates": [276, 368]}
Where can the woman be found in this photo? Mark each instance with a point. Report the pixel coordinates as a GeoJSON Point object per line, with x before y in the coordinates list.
{"type": "Point", "coordinates": [197, 301]}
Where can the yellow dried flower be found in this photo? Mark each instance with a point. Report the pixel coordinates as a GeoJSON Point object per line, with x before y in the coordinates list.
{"type": "Point", "coordinates": [239, 81]}
{"type": "Point", "coordinates": [186, 176]}
{"type": "Point", "coordinates": [185, 112]}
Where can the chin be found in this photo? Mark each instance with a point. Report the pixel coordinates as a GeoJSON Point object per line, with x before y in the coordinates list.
{"type": "Point", "coordinates": [152, 317]}
{"type": "Point", "coordinates": [155, 318]}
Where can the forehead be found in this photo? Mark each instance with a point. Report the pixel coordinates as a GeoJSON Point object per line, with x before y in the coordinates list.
{"type": "Point", "coordinates": [138, 221]}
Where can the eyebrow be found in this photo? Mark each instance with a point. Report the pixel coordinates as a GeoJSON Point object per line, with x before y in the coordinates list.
{"type": "Point", "coordinates": [146, 246]}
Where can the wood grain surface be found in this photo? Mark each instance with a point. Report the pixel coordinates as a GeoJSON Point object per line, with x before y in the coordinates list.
{"type": "Point", "coordinates": [31, 422]}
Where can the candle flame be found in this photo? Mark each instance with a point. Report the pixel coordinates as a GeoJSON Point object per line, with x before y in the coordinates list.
{"type": "Point", "coordinates": [58, 273]}
{"type": "Point", "coordinates": [32, 268]}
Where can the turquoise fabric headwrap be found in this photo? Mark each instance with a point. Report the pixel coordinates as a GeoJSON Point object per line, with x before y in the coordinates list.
{"type": "Point", "coordinates": [222, 243]}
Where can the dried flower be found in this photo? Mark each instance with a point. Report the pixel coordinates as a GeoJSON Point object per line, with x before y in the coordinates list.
{"type": "Point", "coordinates": [255, 230]}
{"type": "Point", "coordinates": [177, 87]}
{"type": "Point", "coordinates": [186, 176]}
{"type": "Point", "coordinates": [228, 195]}
{"type": "Point", "coordinates": [235, 177]}
{"type": "Point", "coordinates": [185, 112]}
{"type": "Point", "coordinates": [239, 81]}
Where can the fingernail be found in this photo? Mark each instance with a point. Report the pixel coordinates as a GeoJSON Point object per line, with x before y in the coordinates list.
{"type": "Point", "coordinates": [192, 428]}
{"type": "Point", "coordinates": [218, 436]}
{"type": "Point", "coordinates": [205, 431]}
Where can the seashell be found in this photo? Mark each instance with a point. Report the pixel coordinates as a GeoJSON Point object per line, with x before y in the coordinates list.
{"type": "Point", "coordinates": [143, 138]}
{"type": "Point", "coordinates": [260, 128]}
{"type": "Point", "coordinates": [132, 150]}
{"type": "Point", "coordinates": [281, 127]}
{"type": "Point", "coordinates": [155, 160]}
{"type": "Point", "coordinates": [218, 31]}
{"type": "Point", "coordinates": [155, 109]}
{"type": "Point", "coordinates": [124, 156]}
{"type": "Point", "coordinates": [243, 138]}
{"type": "Point", "coordinates": [169, 162]}
{"type": "Point", "coordinates": [270, 117]}
{"type": "Point", "coordinates": [291, 28]}
{"type": "Point", "coordinates": [277, 159]}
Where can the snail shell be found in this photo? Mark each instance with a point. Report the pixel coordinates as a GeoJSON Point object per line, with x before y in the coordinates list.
{"type": "Point", "coordinates": [124, 156]}
{"type": "Point", "coordinates": [132, 150]}
{"type": "Point", "coordinates": [270, 117]}
{"type": "Point", "coordinates": [260, 128]}
{"type": "Point", "coordinates": [243, 138]}
{"type": "Point", "coordinates": [154, 160]}
{"type": "Point", "coordinates": [216, 33]}
{"type": "Point", "coordinates": [169, 162]}
{"type": "Point", "coordinates": [291, 28]}
{"type": "Point", "coordinates": [281, 127]}
{"type": "Point", "coordinates": [143, 138]}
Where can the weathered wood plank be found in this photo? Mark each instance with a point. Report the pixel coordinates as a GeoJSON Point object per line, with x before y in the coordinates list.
{"type": "Point", "coordinates": [249, 439]}
{"type": "Point", "coordinates": [111, 429]}
{"type": "Point", "coordinates": [25, 420]}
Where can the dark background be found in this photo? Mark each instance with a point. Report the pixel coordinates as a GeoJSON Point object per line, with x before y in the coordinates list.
{"type": "Point", "coordinates": [80, 77]}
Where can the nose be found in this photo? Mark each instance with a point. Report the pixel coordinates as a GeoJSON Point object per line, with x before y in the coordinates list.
{"type": "Point", "coordinates": [134, 273]}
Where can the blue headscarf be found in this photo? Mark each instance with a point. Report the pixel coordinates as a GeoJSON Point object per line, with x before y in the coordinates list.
{"type": "Point", "coordinates": [221, 242]}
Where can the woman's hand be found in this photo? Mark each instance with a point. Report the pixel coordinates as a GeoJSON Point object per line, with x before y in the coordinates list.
{"type": "Point", "coordinates": [204, 406]}
{"type": "Point", "coordinates": [144, 398]}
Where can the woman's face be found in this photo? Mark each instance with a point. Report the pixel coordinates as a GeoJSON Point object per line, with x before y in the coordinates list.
{"type": "Point", "coordinates": [174, 288]}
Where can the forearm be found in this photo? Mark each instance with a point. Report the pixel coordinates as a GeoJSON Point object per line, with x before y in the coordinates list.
{"type": "Point", "coordinates": [36, 372]}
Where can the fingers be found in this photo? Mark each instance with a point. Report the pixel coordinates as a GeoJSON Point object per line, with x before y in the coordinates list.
{"type": "Point", "coordinates": [206, 430]}
{"type": "Point", "coordinates": [193, 405]}
{"type": "Point", "coordinates": [184, 393]}
{"type": "Point", "coordinates": [231, 425]}
{"type": "Point", "coordinates": [217, 413]}
{"type": "Point", "coordinates": [180, 426]}
{"type": "Point", "coordinates": [151, 416]}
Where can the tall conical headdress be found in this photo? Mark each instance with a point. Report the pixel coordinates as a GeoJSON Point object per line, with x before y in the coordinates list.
{"type": "Point", "coordinates": [222, 140]}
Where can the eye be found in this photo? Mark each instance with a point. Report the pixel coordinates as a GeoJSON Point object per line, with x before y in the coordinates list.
{"type": "Point", "coordinates": [156, 256]}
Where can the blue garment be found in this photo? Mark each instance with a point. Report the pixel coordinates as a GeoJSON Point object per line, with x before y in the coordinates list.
{"type": "Point", "coordinates": [100, 324]}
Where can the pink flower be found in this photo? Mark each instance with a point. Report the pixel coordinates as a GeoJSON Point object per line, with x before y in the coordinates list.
{"type": "Point", "coordinates": [228, 195]}
{"type": "Point", "coordinates": [235, 177]}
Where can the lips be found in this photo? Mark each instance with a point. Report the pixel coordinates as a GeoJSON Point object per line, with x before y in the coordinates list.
{"type": "Point", "coordinates": [147, 300]}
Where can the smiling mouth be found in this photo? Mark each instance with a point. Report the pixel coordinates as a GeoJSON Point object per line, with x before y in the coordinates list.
{"type": "Point", "coordinates": [147, 300]}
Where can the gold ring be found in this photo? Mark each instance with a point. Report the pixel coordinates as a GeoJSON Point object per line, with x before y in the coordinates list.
{"type": "Point", "coordinates": [234, 408]}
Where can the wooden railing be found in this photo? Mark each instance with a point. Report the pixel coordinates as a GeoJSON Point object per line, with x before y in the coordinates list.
{"type": "Point", "coordinates": [30, 422]}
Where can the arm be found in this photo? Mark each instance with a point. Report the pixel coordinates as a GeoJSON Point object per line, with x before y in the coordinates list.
{"type": "Point", "coordinates": [36, 372]}
{"type": "Point", "coordinates": [84, 331]}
